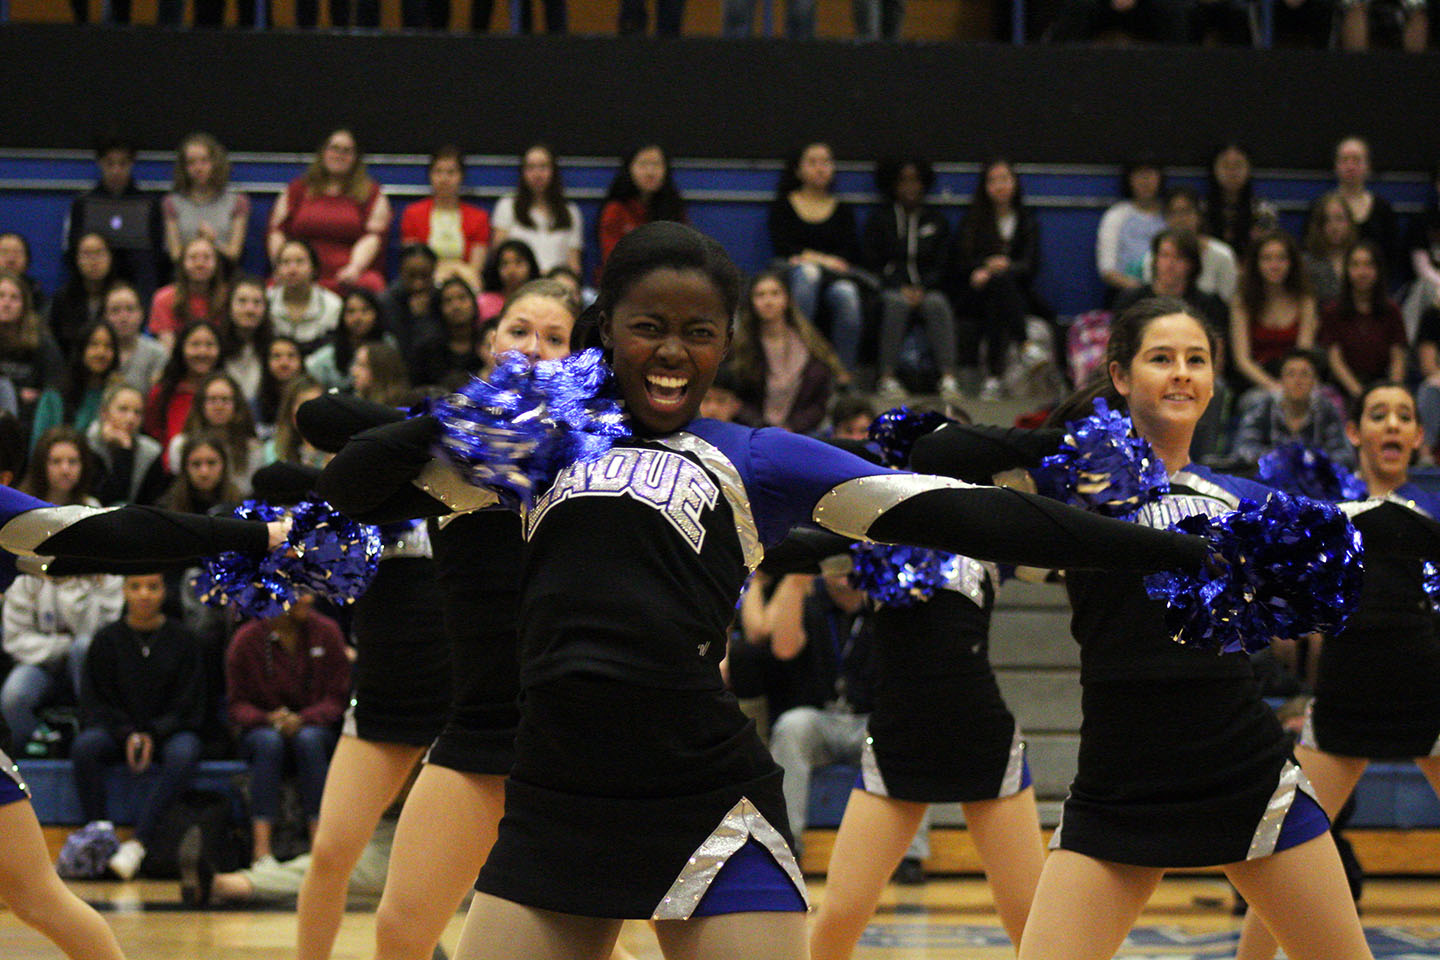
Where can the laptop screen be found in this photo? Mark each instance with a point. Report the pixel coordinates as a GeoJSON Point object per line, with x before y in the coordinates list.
{"type": "Point", "coordinates": [123, 221]}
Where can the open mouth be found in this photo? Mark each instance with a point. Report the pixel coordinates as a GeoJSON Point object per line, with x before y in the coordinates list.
{"type": "Point", "coordinates": [1392, 448]}
{"type": "Point", "coordinates": [666, 392]}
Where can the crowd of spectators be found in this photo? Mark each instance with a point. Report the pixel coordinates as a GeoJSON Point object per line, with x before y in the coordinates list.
{"type": "Point", "coordinates": [158, 373]}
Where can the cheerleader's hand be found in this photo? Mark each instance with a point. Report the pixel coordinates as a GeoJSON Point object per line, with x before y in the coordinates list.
{"type": "Point", "coordinates": [279, 532]}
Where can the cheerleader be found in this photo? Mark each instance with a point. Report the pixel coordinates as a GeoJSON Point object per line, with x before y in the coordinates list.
{"type": "Point", "coordinates": [639, 789]}
{"type": "Point", "coordinates": [1181, 763]}
{"type": "Point", "coordinates": [448, 823]}
{"type": "Point", "coordinates": [939, 733]}
{"type": "Point", "coordinates": [1377, 690]}
{"type": "Point", "coordinates": [71, 540]}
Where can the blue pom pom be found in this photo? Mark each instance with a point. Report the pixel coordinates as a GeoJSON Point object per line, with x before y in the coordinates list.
{"type": "Point", "coordinates": [895, 432]}
{"type": "Point", "coordinates": [326, 554]}
{"type": "Point", "coordinates": [900, 576]}
{"type": "Point", "coordinates": [1101, 467]}
{"type": "Point", "coordinates": [1306, 472]}
{"type": "Point", "coordinates": [1283, 568]}
{"type": "Point", "coordinates": [514, 432]}
{"type": "Point", "coordinates": [1430, 580]}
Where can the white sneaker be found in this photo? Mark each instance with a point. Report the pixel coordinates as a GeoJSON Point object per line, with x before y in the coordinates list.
{"type": "Point", "coordinates": [126, 861]}
{"type": "Point", "coordinates": [889, 393]}
{"type": "Point", "coordinates": [993, 390]}
{"type": "Point", "coordinates": [950, 391]}
{"type": "Point", "coordinates": [266, 862]}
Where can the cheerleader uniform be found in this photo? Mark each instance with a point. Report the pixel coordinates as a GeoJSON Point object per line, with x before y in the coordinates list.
{"type": "Point", "coordinates": [1377, 690]}
{"type": "Point", "coordinates": [402, 667]}
{"type": "Point", "coordinates": [1181, 763]}
{"type": "Point", "coordinates": [634, 766]}
{"type": "Point", "coordinates": [940, 731]}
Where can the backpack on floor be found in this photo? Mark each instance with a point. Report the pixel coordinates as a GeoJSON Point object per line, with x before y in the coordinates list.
{"type": "Point", "coordinates": [1085, 344]}
{"type": "Point", "coordinates": [87, 852]}
{"type": "Point", "coordinates": [226, 841]}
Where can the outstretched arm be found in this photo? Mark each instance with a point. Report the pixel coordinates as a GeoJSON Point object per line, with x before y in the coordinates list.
{"type": "Point", "coordinates": [976, 453]}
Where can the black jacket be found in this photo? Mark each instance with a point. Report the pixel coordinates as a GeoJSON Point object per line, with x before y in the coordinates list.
{"type": "Point", "coordinates": [885, 246]}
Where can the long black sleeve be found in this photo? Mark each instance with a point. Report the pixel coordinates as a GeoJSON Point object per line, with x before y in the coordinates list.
{"type": "Point", "coordinates": [803, 550]}
{"type": "Point", "coordinates": [1008, 526]}
{"type": "Point", "coordinates": [139, 534]}
{"type": "Point", "coordinates": [372, 477]}
{"type": "Point", "coordinates": [329, 421]}
{"type": "Point", "coordinates": [976, 453]}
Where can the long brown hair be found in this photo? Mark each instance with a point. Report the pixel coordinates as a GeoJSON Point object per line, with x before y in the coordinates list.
{"type": "Point", "coordinates": [238, 435]}
{"type": "Point", "coordinates": [183, 497]}
{"type": "Point", "coordinates": [24, 335]}
{"type": "Point", "coordinates": [1252, 285]}
{"type": "Point", "coordinates": [287, 437]}
{"type": "Point", "coordinates": [217, 298]}
{"type": "Point", "coordinates": [1127, 332]}
{"type": "Point", "coordinates": [747, 360]}
{"type": "Point", "coordinates": [356, 184]}
{"type": "Point", "coordinates": [1315, 228]}
{"type": "Point", "coordinates": [37, 480]}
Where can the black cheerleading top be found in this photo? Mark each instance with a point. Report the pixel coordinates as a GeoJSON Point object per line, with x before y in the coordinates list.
{"type": "Point", "coordinates": [1393, 602]}
{"type": "Point", "coordinates": [652, 541]}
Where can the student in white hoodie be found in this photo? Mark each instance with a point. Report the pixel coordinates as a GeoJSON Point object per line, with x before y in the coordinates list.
{"type": "Point", "coordinates": [48, 627]}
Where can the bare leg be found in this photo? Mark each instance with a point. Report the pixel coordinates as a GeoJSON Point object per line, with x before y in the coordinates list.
{"type": "Point", "coordinates": [31, 888]}
{"type": "Point", "coordinates": [260, 834]}
{"type": "Point", "coordinates": [444, 835]}
{"type": "Point", "coordinates": [1084, 907]}
{"type": "Point", "coordinates": [872, 839]}
{"type": "Point", "coordinates": [364, 778]}
{"type": "Point", "coordinates": [497, 929]}
{"type": "Point", "coordinates": [1305, 901]}
{"type": "Point", "coordinates": [231, 888]}
{"type": "Point", "coordinates": [1417, 31]}
{"type": "Point", "coordinates": [1334, 779]}
{"type": "Point", "coordinates": [754, 936]}
{"type": "Point", "coordinates": [1355, 27]}
{"type": "Point", "coordinates": [1007, 836]}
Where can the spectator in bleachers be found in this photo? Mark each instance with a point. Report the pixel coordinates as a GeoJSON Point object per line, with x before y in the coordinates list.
{"type": "Point", "coordinates": [60, 470]}
{"type": "Point", "coordinates": [378, 374]}
{"type": "Point", "coordinates": [1371, 213]}
{"type": "Point", "coordinates": [1176, 256]}
{"type": "Point", "coordinates": [907, 244]}
{"type": "Point", "coordinates": [129, 465]}
{"type": "Point", "coordinates": [220, 411]}
{"type": "Point", "coordinates": [202, 203]}
{"type": "Point", "coordinates": [669, 15]}
{"type": "Point", "coordinates": [556, 16]}
{"type": "Point", "coordinates": [141, 358]}
{"type": "Point", "coordinates": [458, 232]}
{"type": "Point", "coordinates": [993, 262]}
{"type": "Point", "coordinates": [851, 417]}
{"type": "Point", "coordinates": [453, 353]}
{"type": "Point", "coordinates": [287, 681]}
{"type": "Point", "coordinates": [877, 19]}
{"type": "Point", "coordinates": [49, 623]}
{"type": "Point", "coordinates": [300, 307]}
{"type": "Point", "coordinates": [142, 701]}
{"type": "Point", "coordinates": [799, 19]}
{"type": "Point", "coordinates": [196, 356]}
{"type": "Point", "coordinates": [80, 301]}
{"type": "Point", "coordinates": [784, 369]}
{"type": "Point", "coordinates": [361, 322]}
{"type": "Point", "coordinates": [1121, 22]}
{"type": "Point", "coordinates": [29, 357]}
{"type": "Point", "coordinates": [1233, 213]}
{"type": "Point", "coordinates": [245, 334]}
{"type": "Point", "coordinates": [1427, 358]}
{"type": "Point", "coordinates": [15, 258]}
{"type": "Point", "coordinates": [203, 477]}
{"type": "Point", "coordinates": [1295, 412]}
{"type": "Point", "coordinates": [813, 233]}
{"type": "Point", "coordinates": [92, 368]}
{"type": "Point", "coordinates": [582, 294]}
{"type": "Point", "coordinates": [1355, 23]}
{"type": "Point", "coordinates": [411, 305]}
{"type": "Point", "coordinates": [1362, 330]}
{"type": "Point", "coordinates": [128, 220]}
{"type": "Point", "coordinates": [198, 293]}
{"type": "Point", "coordinates": [1275, 312]}
{"type": "Point", "coordinates": [642, 191]}
{"type": "Point", "coordinates": [1330, 232]}
{"type": "Point", "coordinates": [510, 267]}
{"type": "Point", "coordinates": [283, 363]}
{"type": "Point", "coordinates": [1424, 245]}
{"type": "Point", "coordinates": [1127, 227]}
{"type": "Point", "coordinates": [722, 401]}
{"type": "Point", "coordinates": [288, 444]}
{"type": "Point", "coordinates": [538, 213]}
{"type": "Point", "coordinates": [1217, 258]}
{"type": "Point", "coordinates": [340, 211]}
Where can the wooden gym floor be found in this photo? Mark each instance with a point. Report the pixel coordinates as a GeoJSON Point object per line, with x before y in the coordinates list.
{"type": "Point", "coordinates": [1189, 919]}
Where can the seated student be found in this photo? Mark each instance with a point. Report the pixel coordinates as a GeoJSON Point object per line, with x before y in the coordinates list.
{"type": "Point", "coordinates": [49, 623]}
{"type": "Point", "coordinates": [300, 308]}
{"type": "Point", "coordinates": [200, 292]}
{"type": "Point", "coordinates": [1218, 274]}
{"type": "Point", "coordinates": [142, 701]}
{"type": "Point", "coordinates": [458, 232]}
{"type": "Point", "coordinates": [1175, 255]}
{"type": "Point", "coordinates": [128, 463]}
{"type": "Point", "coordinates": [140, 359]}
{"type": "Point", "coordinates": [722, 401]}
{"type": "Point", "coordinates": [1362, 329]}
{"type": "Point", "coordinates": [411, 305]}
{"type": "Point", "coordinates": [128, 220]}
{"type": "Point", "coordinates": [850, 418]}
{"type": "Point", "coordinates": [15, 258]}
{"type": "Point", "coordinates": [287, 680]}
{"type": "Point", "coordinates": [1298, 413]}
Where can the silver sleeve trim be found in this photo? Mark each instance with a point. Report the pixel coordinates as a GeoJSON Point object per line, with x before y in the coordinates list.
{"type": "Point", "coordinates": [26, 531]}
{"type": "Point", "coordinates": [849, 508]}
{"type": "Point", "coordinates": [731, 485]}
{"type": "Point", "coordinates": [1015, 767]}
{"type": "Point", "coordinates": [1205, 488]}
{"type": "Point", "coordinates": [443, 482]}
